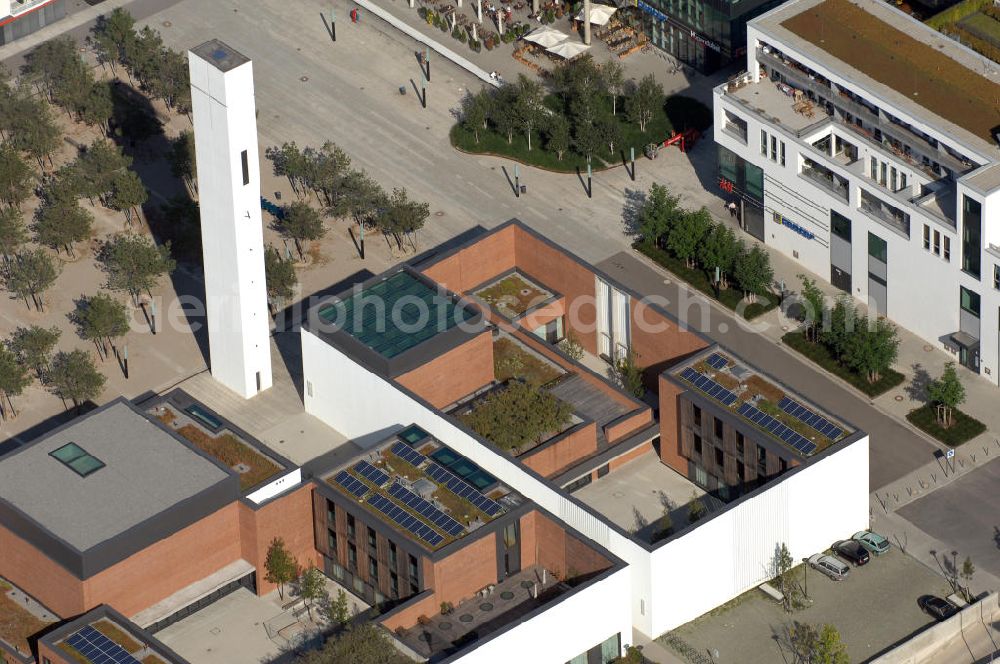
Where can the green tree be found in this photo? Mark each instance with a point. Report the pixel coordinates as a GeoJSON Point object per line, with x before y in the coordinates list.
{"type": "Point", "coordinates": [302, 222]}
{"type": "Point", "coordinates": [719, 249]}
{"type": "Point", "coordinates": [280, 275]}
{"type": "Point", "coordinates": [803, 638]}
{"type": "Point", "coordinates": [62, 223]}
{"type": "Point", "coordinates": [829, 649]}
{"type": "Point", "coordinates": [872, 348]}
{"type": "Point", "coordinates": [111, 35]}
{"type": "Point", "coordinates": [12, 232]}
{"type": "Point", "coordinates": [629, 375]}
{"type": "Point", "coordinates": [644, 101]}
{"type": "Point", "coordinates": [613, 73]}
{"type": "Point", "coordinates": [587, 139]}
{"type": "Point", "coordinates": [403, 217]}
{"type": "Point", "coordinates": [504, 114]}
{"type": "Point", "coordinates": [686, 235]}
{"type": "Point", "coordinates": [557, 135]}
{"type": "Point", "coordinates": [183, 162]}
{"type": "Point", "coordinates": [72, 376]}
{"type": "Point", "coordinates": [517, 416]}
{"type": "Point", "coordinates": [287, 161]}
{"type": "Point", "coordinates": [610, 131]}
{"type": "Point", "coordinates": [360, 197]}
{"type": "Point", "coordinates": [476, 111]}
{"type": "Point", "coordinates": [843, 320]}
{"type": "Point", "coordinates": [97, 170]}
{"type": "Point", "coordinates": [337, 611]}
{"type": "Point", "coordinates": [14, 379]}
{"type": "Point", "coordinates": [753, 272]}
{"type": "Point", "coordinates": [31, 274]}
{"type": "Point", "coordinates": [947, 393]}
{"type": "Point", "coordinates": [365, 643]}
{"type": "Point", "coordinates": [325, 171]}
{"type": "Point", "coordinates": [15, 177]}
{"type": "Point", "coordinates": [101, 319]}
{"type": "Point", "coordinates": [312, 587]}
{"type": "Point", "coordinates": [782, 574]}
{"type": "Point", "coordinates": [98, 106]}
{"type": "Point", "coordinates": [659, 213]}
{"type": "Point", "coordinates": [813, 306]}
{"type": "Point", "coordinates": [128, 194]}
{"type": "Point", "coordinates": [968, 571]}
{"type": "Point", "coordinates": [528, 105]}
{"type": "Point", "coordinates": [134, 263]}
{"type": "Point", "coordinates": [33, 347]}
{"type": "Point", "coordinates": [696, 509]}
{"type": "Point", "coordinates": [280, 565]}
{"type": "Point", "coordinates": [32, 128]}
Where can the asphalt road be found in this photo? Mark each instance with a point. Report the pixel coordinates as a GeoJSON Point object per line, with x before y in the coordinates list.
{"type": "Point", "coordinates": [895, 450]}
{"type": "Point", "coordinates": [966, 515]}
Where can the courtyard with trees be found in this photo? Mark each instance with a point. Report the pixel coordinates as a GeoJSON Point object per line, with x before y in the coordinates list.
{"type": "Point", "coordinates": [585, 112]}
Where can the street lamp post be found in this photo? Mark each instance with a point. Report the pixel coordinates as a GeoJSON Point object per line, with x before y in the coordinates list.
{"type": "Point", "coordinates": [333, 24]}
{"type": "Point", "coordinates": [632, 157]}
{"type": "Point", "coordinates": [517, 181]}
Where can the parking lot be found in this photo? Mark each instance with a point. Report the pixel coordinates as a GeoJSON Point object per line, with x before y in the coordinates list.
{"type": "Point", "coordinates": [977, 533]}
{"type": "Point", "coordinates": [874, 608]}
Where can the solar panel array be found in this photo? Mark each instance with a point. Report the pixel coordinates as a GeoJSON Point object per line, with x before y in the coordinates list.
{"type": "Point", "coordinates": [778, 429]}
{"type": "Point", "coordinates": [709, 386]}
{"type": "Point", "coordinates": [425, 509]}
{"type": "Point", "coordinates": [371, 473]}
{"type": "Point", "coordinates": [716, 361]}
{"type": "Point", "coordinates": [352, 484]}
{"type": "Point", "coordinates": [408, 454]}
{"type": "Point", "coordinates": [463, 489]}
{"type": "Point", "coordinates": [98, 648]}
{"type": "Point", "coordinates": [404, 519]}
{"type": "Point", "coordinates": [817, 422]}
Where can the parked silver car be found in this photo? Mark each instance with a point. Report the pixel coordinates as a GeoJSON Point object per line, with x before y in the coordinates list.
{"type": "Point", "coordinates": [832, 567]}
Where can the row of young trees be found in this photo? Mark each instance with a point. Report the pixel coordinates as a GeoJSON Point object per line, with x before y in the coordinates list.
{"type": "Point", "coordinates": [866, 345]}
{"type": "Point", "coordinates": [692, 236]}
{"type": "Point", "coordinates": [580, 115]}
{"type": "Point", "coordinates": [326, 176]}
{"type": "Point", "coordinates": [159, 71]}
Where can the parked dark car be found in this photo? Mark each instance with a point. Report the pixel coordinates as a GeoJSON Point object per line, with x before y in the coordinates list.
{"type": "Point", "coordinates": [852, 551]}
{"type": "Point", "coordinates": [937, 608]}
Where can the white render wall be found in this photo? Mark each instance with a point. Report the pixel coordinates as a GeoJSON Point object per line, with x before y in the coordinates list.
{"type": "Point", "coordinates": [808, 510]}
{"type": "Point", "coordinates": [733, 552]}
{"type": "Point", "coordinates": [566, 629]}
{"type": "Point", "coordinates": [923, 289]}
{"type": "Point", "coordinates": [232, 232]}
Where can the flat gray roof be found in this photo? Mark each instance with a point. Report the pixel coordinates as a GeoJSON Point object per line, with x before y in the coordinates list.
{"type": "Point", "coordinates": [220, 54]}
{"type": "Point", "coordinates": [770, 24]}
{"type": "Point", "coordinates": [146, 472]}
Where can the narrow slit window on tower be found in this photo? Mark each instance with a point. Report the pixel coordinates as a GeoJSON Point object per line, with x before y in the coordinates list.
{"type": "Point", "coordinates": [246, 167]}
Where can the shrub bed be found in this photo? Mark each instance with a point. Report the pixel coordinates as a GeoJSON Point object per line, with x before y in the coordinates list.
{"type": "Point", "coordinates": [230, 451]}
{"type": "Point", "coordinates": [819, 354]}
{"type": "Point", "coordinates": [964, 429]}
{"type": "Point", "coordinates": [731, 298]}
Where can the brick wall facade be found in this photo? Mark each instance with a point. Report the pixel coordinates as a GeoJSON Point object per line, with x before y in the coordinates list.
{"type": "Point", "coordinates": [453, 375]}
{"type": "Point", "coordinates": [466, 571]}
{"type": "Point", "coordinates": [487, 258]}
{"type": "Point", "coordinates": [544, 542]}
{"type": "Point", "coordinates": [289, 517]}
{"type": "Point", "coordinates": [549, 460]}
{"type": "Point", "coordinates": [670, 438]}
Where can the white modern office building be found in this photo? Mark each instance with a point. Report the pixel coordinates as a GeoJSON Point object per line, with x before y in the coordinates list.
{"type": "Point", "coordinates": [863, 144]}
{"type": "Point", "coordinates": [232, 231]}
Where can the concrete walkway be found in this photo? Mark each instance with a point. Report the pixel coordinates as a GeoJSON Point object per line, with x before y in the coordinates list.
{"type": "Point", "coordinates": [653, 651]}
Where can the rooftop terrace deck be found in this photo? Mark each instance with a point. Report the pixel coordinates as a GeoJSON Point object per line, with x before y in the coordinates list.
{"type": "Point", "coordinates": [921, 69]}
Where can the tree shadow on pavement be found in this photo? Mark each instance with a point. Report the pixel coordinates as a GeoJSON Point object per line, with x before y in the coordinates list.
{"type": "Point", "coordinates": [917, 389]}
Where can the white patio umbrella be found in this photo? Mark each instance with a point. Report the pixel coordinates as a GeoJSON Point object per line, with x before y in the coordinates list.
{"type": "Point", "coordinates": [599, 14]}
{"type": "Point", "coordinates": [546, 37]}
{"type": "Point", "coordinates": [568, 49]}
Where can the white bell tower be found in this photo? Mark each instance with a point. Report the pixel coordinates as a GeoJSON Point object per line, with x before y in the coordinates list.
{"type": "Point", "coordinates": [232, 233]}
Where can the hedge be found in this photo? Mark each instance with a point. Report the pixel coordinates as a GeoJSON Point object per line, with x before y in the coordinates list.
{"type": "Point", "coordinates": [956, 13]}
